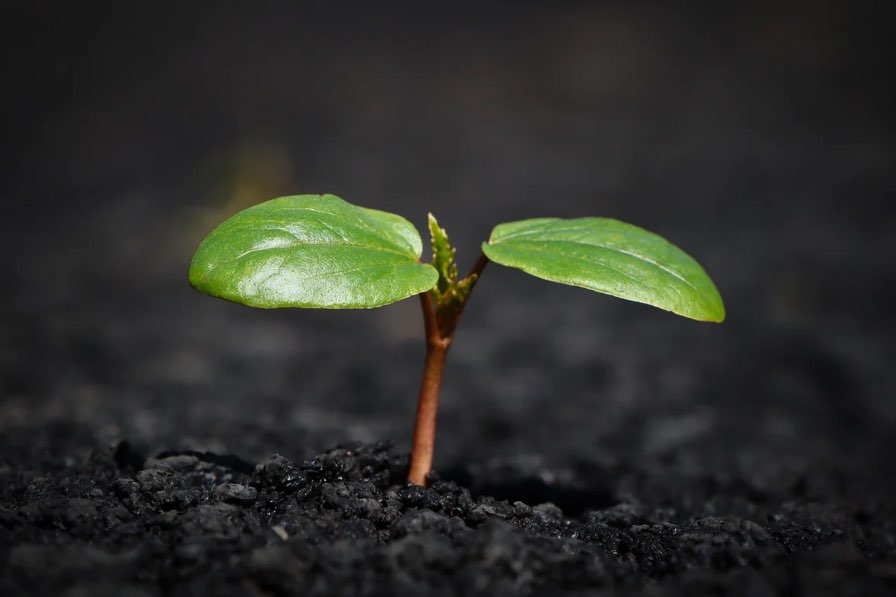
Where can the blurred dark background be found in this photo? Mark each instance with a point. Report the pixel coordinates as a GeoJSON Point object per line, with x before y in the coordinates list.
{"type": "Point", "coordinates": [758, 136]}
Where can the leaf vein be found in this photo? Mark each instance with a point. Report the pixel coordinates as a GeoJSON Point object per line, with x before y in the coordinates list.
{"type": "Point", "coordinates": [643, 258]}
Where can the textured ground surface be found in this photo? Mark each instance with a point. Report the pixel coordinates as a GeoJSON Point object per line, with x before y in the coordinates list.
{"type": "Point", "coordinates": [343, 523]}
{"type": "Point", "coordinates": [753, 457]}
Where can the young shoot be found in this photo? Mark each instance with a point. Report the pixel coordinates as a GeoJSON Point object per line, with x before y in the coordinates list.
{"type": "Point", "coordinates": [319, 251]}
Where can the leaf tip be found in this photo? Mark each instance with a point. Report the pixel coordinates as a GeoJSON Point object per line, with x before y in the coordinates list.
{"type": "Point", "coordinates": [715, 310]}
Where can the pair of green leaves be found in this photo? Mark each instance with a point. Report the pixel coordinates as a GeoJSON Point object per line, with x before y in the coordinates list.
{"type": "Point", "coordinates": [320, 251]}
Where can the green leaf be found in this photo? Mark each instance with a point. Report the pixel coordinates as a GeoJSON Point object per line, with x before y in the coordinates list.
{"type": "Point", "coordinates": [449, 293]}
{"type": "Point", "coordinates": [443, 255]}
{"type": "Point", "coordinates": [312, 251]}
{"type": "Point", "coordinates": [611, 257]}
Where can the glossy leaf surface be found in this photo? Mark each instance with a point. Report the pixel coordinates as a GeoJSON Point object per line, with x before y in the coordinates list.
{"type": "Point", "coordinates": [312, 251]}
{"type": "Point", "coordinates": [610, 257]}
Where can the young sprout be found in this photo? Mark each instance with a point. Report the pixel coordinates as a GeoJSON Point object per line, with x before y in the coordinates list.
{"type": "Point", "coordinates": [318, 251]}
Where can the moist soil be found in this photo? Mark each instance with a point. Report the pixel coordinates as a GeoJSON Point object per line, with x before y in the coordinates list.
{"type": "Point", "coordinates": [345, 523]}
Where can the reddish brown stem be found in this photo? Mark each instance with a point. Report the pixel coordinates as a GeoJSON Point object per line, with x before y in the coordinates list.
{"type": "Point", "coordinates": [479, 265]}
{"type": "Point", "coordinates": [439, 333]}
{"type": "Point", "coordinates": [428, 405]}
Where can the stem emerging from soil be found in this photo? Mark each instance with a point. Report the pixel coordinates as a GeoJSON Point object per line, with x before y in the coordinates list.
{"type": "Point", "coordinates": [441, 313]}
{"type": "Point", "coordinates": [428, 404]}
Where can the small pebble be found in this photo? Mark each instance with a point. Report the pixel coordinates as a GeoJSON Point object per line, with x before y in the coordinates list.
{"type": "Point", "coordinates": [234, 493]}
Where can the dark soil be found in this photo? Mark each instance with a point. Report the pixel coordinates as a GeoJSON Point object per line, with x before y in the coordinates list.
{"type": "Point", "coordinates": [586, 445]}
{"type": "Point", "coordinates": [344, 523]}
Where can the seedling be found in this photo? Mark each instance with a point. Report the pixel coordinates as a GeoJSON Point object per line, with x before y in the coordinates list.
{"type": "Point", "coordinates": [318, 251]}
